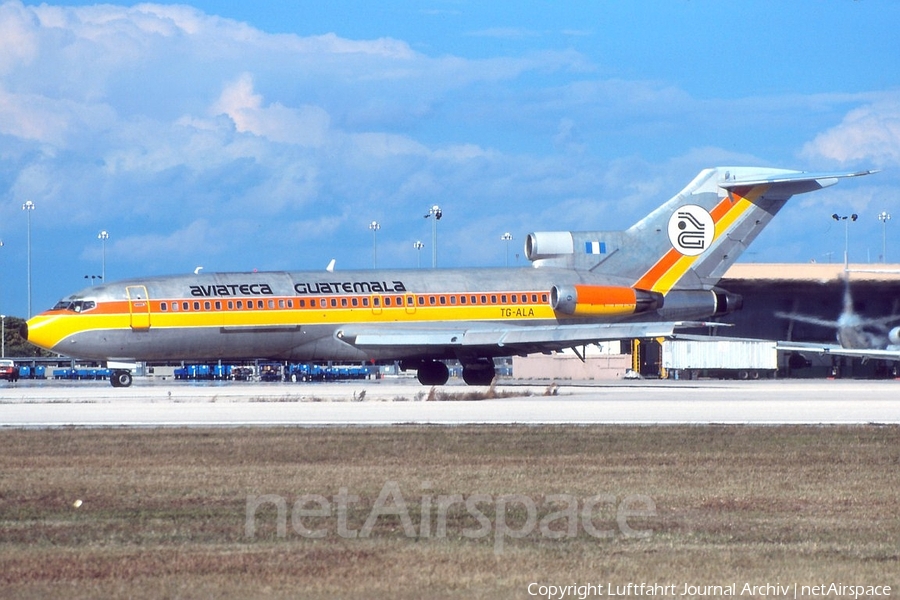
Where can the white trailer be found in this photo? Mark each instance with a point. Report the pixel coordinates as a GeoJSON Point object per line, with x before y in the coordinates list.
{"type": "Point", "coordinates": [719, 358]}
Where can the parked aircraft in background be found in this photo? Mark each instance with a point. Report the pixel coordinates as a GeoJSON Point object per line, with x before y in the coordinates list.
{"type": "Point", "coordinates": [857, 336]}
{"type": "Point", "coordinates": [584, 287]}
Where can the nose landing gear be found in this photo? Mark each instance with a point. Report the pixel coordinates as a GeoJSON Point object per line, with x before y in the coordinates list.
{"type": "Point", "coordinates": [121, 378]}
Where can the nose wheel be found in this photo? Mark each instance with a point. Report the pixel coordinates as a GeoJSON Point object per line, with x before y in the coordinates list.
{"type": "Point", "coordinates": [120, 379]}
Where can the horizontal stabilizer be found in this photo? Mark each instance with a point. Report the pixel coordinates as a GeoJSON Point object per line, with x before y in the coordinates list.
{"type": "Point", "coordinates": [817, 180]}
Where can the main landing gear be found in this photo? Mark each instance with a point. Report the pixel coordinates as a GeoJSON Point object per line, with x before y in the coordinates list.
{"type": "Point", "coordinates": [480, 372]}
{"type": "Point", "coordinates": [433, 372]}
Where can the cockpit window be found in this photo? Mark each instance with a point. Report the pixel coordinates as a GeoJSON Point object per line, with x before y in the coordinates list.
{"type": "Point", "coordinates": [77, 306]}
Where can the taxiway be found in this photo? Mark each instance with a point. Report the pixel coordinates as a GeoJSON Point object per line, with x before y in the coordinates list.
{"type": "Point", "coordinates": [31, 404]}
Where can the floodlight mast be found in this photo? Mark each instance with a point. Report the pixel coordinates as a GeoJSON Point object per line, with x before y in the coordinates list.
{"type": "Point", "coordinates": [846, 219]}
{"type": "Point", "coordinates": [103, 236]}
{"type": "Point", "coordinates": [28, 207]}
{"type": "Point", "coordinates": [436, 212]}
{"type": "Point", "coordinates": [374, 226]}
{"type": "Point", "coordinates": [507, 237]}
{"type": "Point", "coordinates": [884, 217]}
{"type": "Point", "coordinates": [418, 245]}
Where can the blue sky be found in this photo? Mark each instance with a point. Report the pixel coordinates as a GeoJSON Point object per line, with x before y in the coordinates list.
{"type": "Point", "coordinates": [268, 135]}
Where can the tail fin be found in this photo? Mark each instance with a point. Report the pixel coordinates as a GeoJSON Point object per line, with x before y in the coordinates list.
{"type": "Point", "coordinates": [736, 204]}
{"type": "Point", "coordinates": [691, 240]}
{"type": "Point", "coordinates": [677, 254]}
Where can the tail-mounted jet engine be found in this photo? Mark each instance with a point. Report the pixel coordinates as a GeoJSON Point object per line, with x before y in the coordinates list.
{"type": "Point", "coordinates": [621, 301]}
{"type": "Point", "coordinates": [602, 300]}
{"type": "Point", "coordinates": [699, 304]}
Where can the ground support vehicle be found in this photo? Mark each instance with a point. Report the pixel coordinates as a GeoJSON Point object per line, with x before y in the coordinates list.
{"type": "Point", "coordinates": [303, 372]}
{"type": "Point", "coordinates": [8, 370]}
{"type": "Point", "coordinates": [728, 358]}
{"type": "Point", "coordinates": [81, 373]}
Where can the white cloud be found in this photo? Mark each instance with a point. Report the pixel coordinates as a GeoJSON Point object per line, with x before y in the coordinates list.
{"type": "Point", "coordinates": [194, 137]}
{"type": "Point", "coordinates": [306, 125]}
{"type": "Point", "coordinates": [385, 145]}
{"type": "Point", "coordinates": [18, 41]}
{"type": "Point", "coordinates": [32, 117]}
{"type": "Point", "coordinates": [868, 133]}
{"type": "Point", "coordinates": [198, 239]}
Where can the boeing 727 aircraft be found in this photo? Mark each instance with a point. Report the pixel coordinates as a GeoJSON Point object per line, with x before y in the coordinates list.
{"type": "Point", "coordinates": [584, 287]}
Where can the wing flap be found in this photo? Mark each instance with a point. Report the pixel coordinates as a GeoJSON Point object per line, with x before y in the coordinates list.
{"type": "Point", "coordinates": [512, 339]}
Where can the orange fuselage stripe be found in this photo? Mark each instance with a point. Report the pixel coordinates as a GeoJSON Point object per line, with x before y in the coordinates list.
{"type": "Point", "coordinates": [52, 327]}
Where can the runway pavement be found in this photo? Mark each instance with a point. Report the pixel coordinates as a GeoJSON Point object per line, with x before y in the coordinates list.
{"type": "Point", "coordinates": [36, 404]}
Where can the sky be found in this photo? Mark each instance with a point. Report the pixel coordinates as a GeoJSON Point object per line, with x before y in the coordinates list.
{"type": "Point", "coordinates": [269, 135]}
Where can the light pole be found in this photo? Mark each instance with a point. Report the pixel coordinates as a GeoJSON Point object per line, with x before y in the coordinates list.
{"type": "Point", "coordinates": [884, 217]}
{"type": "Point", "coordinates": [507, 237]}
{"type": "Point", "coordinates": [846, 219]}
{"type": "Point", "coordinates": [2, 336]}
{"type": "Point", "coordinates": [103, 236]}
{"type": "Point", "coordinates": [434, 211]}
{"type": "Point", "coordinates": [28, 207]}
{"type": "Point", "coordinates": [418, 246]}
{"type": "Point", "coordinates": [374, 226]}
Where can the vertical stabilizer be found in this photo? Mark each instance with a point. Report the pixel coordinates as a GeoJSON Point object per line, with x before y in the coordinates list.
{"type": "Point", "coordinates": [691, 240]}
{"type": "Point", "coordinates": [697, 235]}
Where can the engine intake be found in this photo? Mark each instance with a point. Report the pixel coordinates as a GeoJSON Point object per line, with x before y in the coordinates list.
{"type": "Point", "coordinates": [602, 300]}
{"type": "Point", "coordinates": [549, 244]}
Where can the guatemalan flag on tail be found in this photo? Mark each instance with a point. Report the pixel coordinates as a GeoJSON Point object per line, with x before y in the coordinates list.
{"type": "Point", "coordinates": [595, 247]}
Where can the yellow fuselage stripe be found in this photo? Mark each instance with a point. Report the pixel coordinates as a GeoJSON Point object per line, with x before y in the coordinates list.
{"type": "Point", "coordinates": [51, 328]}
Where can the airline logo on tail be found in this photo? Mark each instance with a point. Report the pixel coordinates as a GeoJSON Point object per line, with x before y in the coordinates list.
{"type": "Point", "coordinates": [691, 230]}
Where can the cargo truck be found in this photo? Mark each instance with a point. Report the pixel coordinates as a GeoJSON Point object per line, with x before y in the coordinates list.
{"type": "Point", "coordinates": [719, 358]}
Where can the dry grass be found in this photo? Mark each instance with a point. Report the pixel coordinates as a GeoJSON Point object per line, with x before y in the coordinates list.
{"type": "Point", "coordinates": [164, 510]}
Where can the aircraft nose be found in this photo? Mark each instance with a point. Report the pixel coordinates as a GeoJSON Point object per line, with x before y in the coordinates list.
{"type": "Point", "coordinates": [48, 331]}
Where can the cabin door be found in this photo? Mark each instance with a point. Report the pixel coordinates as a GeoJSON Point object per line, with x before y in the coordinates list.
{"type": "Point", "coordinates": [139, 305]}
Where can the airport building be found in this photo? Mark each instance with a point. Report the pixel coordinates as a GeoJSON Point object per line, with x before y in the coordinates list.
{"type": "Point", "coordinates": [770, 293]}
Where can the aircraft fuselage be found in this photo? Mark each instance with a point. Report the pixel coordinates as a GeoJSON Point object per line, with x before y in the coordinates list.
{"type": "Point", "coordinates": [297, 315]}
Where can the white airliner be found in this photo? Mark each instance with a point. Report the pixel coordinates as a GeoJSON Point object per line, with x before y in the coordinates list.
{"type": "Point", "coordinates": [857, 336]}
{"type": "Point", "coordinates": [583, 287]}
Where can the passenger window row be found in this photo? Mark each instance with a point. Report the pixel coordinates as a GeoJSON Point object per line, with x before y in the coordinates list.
{"type": "Point", "coordinates": [410, 300]}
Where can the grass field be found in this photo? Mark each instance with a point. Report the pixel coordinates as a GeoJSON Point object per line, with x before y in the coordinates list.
{"type": "Point", "coordinates": [444, 512]}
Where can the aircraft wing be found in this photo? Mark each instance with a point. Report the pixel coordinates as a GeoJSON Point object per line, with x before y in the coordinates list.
{"type": "Point", "coordinates": [837, 350]}
{"type": "Point", "coordinates": [500, 341]}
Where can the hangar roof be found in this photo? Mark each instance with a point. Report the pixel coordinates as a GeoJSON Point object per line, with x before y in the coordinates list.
{"type": "Point", "coordinates": [817, 272]}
